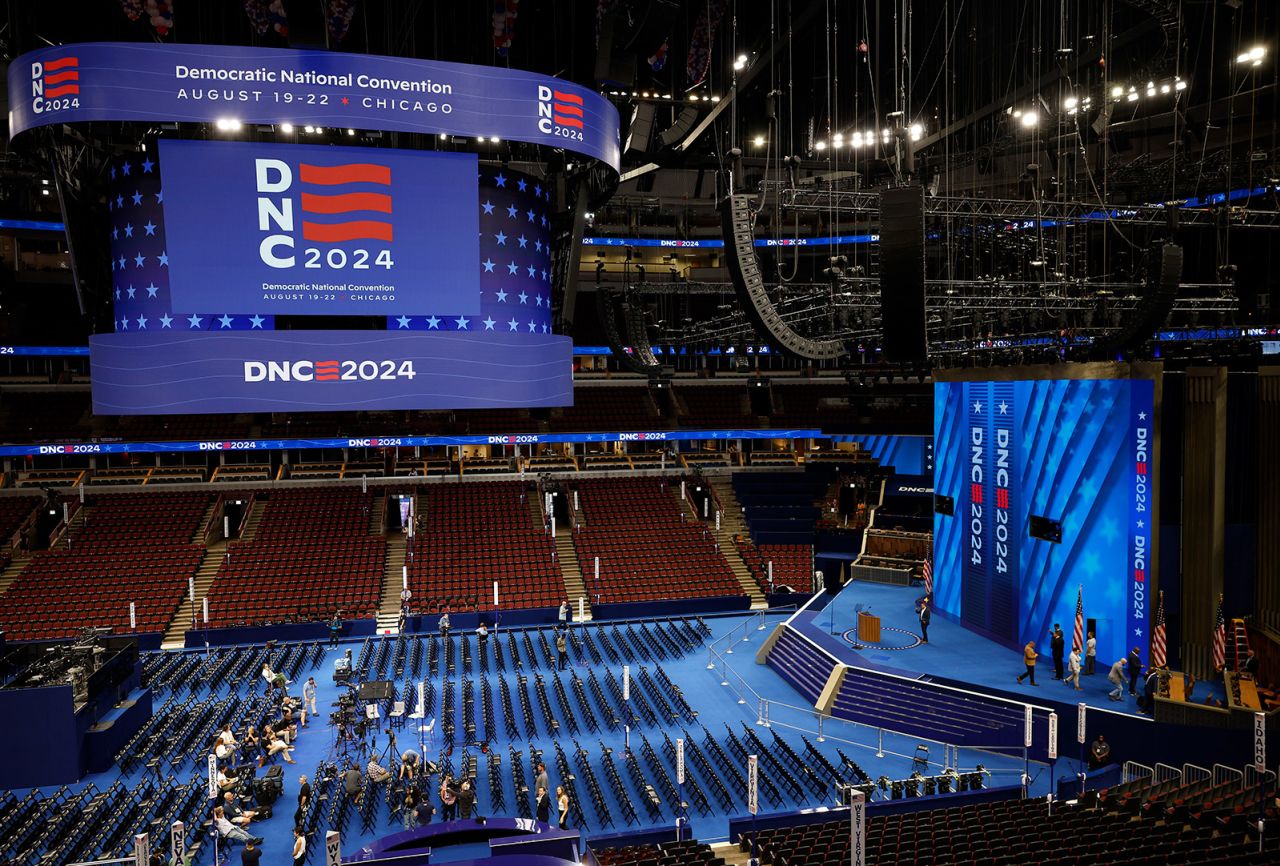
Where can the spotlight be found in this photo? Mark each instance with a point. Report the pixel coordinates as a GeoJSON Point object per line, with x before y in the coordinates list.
{"type": "Point", "coordinates": [1179, 84]}
{"type": "Point", "coordinates": [1070, 102]}
{"type": "Point", "coordinates": [1253, 56]}
{"type": "Point", "coordinates": [494, 139]}
{"type": "Point", "coordinates": [444, 136]}
{"type": "Point", "coordinates": [286, 128]}
{"type": "Point", "coordinates": [308, 129]}
{"type": "Point", "coordinates": [822, 145]}
{"type": "Point", "coordinates": [837, 140]}
{"type": "Point", "coordinates": [1030, 119]}
{"type": "Point", "coordinates": [758, 141]}
{"type": "Point", "coordinates": [351, 132]}
{"type": "Point", "coordinates": [1117, 92]}
{"type": "Point", "coordinates": [1133, 95]}
{"type": "Point", "coordinates": [916, 131]}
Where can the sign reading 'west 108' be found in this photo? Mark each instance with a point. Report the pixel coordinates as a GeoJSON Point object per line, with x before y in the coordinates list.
{"type": "Point", "coordinates": [204, 83]}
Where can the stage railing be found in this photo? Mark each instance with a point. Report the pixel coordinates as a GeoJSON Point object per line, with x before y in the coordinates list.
{"type": "Point", "coordinates": [1165, 773]}
{"type": "Point", "coordinates": [1192, 773]}
{"type": "Point", "coordinates": [810, 720]}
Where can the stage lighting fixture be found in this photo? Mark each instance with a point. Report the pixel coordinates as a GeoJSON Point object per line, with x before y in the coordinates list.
{"type": "Point", "coordinates": [286, 128]}
{"type": "Point", "coordinates": [758, 141]}
{"type": "Point", "coordinates": [1070, 102]}
{"type": "Point", "coordinates": [895, 791]}
{"type": "Point", "coordinates": [916, 131]}
{"type": "Point", "coordinates": [308, 129]}
{"type": "Point", "coordinates": [822, 145]}
{"type": "Point", "coordinates": [913, 787]}
{"type": "Point", "coordinates": [1253, 56]}
{"type": "Point", "coordinates": [930, 786]}
{"type": "Point", "coordinates": [1179, 84]}
{"type": "Point", "coordinates": [1030, 118]}
{"type": "Point", "coordinates": [944, 784]}
{"type": "Point", "coordinates": [1117, 92]}
{"type": "Point", "coordinates": [351, 132]}
{"type": "Point", "coordinates": [883, 782]}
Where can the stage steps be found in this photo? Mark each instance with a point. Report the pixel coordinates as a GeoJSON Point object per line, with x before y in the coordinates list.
{"type": "Point", "coordinates": [571, 572]}
{"type": "Point", "coordinates": [392, 582]}
{"type": "Point", "coordinates": [175, 635]}
{"type": "Point", "coordinates": [731, 524]}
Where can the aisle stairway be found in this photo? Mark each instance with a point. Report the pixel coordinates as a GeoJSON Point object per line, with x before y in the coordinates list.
{"type": "Point", "coordinates": [731, 524]}
{"type": "Point", "coordinates": [192, 609]}
{"type": "Point", "coordinates": [254, 520]}
{"type": "Point", "coordinates": [392, 583]}
{"type": "Point", "coordinates": [574, 586]}
{"type": "Point", "coordinates": [77, 520]}
{"type": "Point", "coordinates": [12, 570]}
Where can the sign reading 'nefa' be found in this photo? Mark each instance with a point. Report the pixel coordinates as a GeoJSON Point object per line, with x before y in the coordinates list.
{"type": "Point", "coordinates": [205, 83]}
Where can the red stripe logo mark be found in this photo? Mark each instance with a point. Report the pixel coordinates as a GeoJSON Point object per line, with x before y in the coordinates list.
{"type": "Point", "coordinates": [568, 121]}
{"type": "Point", "coordinates": [63, 90]}
{"type": "Point", "coordinates": [354, 230]}
{"type": "Point", "coordinates": [561, 96]}
{"type": "Point", "coordinates": [975, 493]}
{"type": "Point", "coordinates": [1002, 497]}
{"type": "Point", "coordinates": [61, 63]}
{"type": "Point", "coordinates": [326, 371]}
{"type": "Point", "coordinates": [59, 77]}
{"type": "Point", "coordinates": [346, 202]}
{"type": "Point", "coordinates": [355, 172]}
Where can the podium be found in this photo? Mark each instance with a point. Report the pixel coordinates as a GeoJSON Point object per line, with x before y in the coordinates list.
{"type": "Point", "coordinates": [868, 627]}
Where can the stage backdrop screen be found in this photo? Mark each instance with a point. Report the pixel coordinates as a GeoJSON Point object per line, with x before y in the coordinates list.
{"type": "Point", "coordinates": [311, 230]}
{"type": "Point", "coordinates": [1074, 451]}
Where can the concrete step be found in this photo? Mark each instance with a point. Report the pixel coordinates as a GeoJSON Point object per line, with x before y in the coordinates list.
{"type": "Point", "coordinates": [392, 577]}
{"type": "Point", "coordinates": [571, 572]}
{"type": "Point", "coordinates": [256, 512]}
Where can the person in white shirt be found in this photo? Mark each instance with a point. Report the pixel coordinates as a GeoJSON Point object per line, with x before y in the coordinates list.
{"type": "Point", "coordinates": [308, 699]}
{"type": "Point", "coordinates": [299, 847]}
{"type": "Point", "coordinates": [1073, 668]}
{"type": "Point", "coordinates": [482, 633]}
{"type": "Point", "coordinates": [1090, 654]}
{"type": "Point", "coordinates": [230, 832]}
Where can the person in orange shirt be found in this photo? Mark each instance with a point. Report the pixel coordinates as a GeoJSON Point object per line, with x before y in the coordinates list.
{"type": "Point", "coordinates": [1029, 656]}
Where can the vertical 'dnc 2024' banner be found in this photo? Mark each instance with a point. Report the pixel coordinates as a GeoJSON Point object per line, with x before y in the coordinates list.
{"type": "Point", "coordinates": [1140, 598]}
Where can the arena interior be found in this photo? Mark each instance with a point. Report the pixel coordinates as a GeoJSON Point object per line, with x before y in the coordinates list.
{"type": "Point", "coordinates": [640, 433]}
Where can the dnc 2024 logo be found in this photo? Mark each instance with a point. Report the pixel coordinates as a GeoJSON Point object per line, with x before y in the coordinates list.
{"type": "Point", "coordinates": [329, 205]}
{"type": "Point", "coordinates": [55, 84]}
{"type": "Point", "coordinates": [559, 113]}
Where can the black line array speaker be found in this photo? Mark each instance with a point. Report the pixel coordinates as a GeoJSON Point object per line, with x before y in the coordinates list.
{"type": "Point", "coordinates": [902, 275]}
{"type": "Point", "coordinates": [1153, 307]}
{"type": "Point", "coordinates": [744, 271]}
{"type": "Point", "coordinates": [641, 359]}
{"type": "Point", "coordinates": [678, 130]}
{"type": "Point", "coordinates": [638, 333]}
{"type": "Point", "coordinates": [640, 130]}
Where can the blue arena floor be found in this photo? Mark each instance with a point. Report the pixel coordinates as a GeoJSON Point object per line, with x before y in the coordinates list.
{"type": "Point", "coordinates": [734, 705]}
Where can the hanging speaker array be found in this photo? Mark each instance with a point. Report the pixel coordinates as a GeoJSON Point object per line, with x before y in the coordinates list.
{"type": "Point", "coordinates": [744, 271]}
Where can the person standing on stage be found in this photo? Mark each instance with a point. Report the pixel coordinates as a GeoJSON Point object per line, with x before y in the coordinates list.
{"type": "Point", "coordinates": [1073, 669]}
{"type": "Point", "coordinates": [1116, 678]}
{"type": "Point", "coordinates": [1135, 670]}
{"type": "Point", "coordinates": [1029, 656]}
{"type": "Point", "coordinates": [1058, 643]}
{"type": "Point", "coordinates": [1090, 654]}
{"type": "Point", "coordinates": [543, 810]}
{"type": "Point", "coordinates": [926, 604]}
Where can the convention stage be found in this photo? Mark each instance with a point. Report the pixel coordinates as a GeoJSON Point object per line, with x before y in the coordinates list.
{"type": "Point", "coordinates": [954, 655]}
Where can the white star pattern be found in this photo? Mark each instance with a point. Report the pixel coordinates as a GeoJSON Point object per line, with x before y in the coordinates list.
{"type": "Point", "coordinates": [166, 321]}
{"type": "Point", "coordinates": [462, 323]}
{"type": "Point", "coordinates": [1004, 408]}
{"type": "Point", "coordinates": [524, 298]}
{"type": "Point", "coordinates": [225, 321]}
{"type": "Point", "coordinates": [514, 325]}
{"type": "Point", "coordinates": [489, 323]}
{"type": "Point", "coordinates": [194, 320]}
{"type": "Point", "coordinates": [977, 407]}
{"type": "Point", "coordinates": [256, 321]}
{"type": "Point", "coordinates": [502, 296]}
{"type": "Point", "coordinates": [433, 323]}
{"type": "Point", "coordinates": [403, 321]}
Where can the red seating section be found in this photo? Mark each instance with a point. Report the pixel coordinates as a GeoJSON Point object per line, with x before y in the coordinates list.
{"type": "Point", "coordinates": [13, 511]}
{"type": "Point", "coordinates": [312, 556]}
{"type": "Point", "coordinates": [132, 548]}
{"type": "Point", "coordinates": [473, 534]}
{"type": "Point", "coordinates": [647, 552]}
{"type": "Point", "coordinates": [792, 564]}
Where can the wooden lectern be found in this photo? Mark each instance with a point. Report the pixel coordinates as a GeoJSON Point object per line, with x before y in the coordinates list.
{"type": "Point", "coordinates": [868, 627]}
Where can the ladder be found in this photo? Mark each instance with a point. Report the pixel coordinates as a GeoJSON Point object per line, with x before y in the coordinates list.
{"type": "Point", "coordinates": [1240, 641]}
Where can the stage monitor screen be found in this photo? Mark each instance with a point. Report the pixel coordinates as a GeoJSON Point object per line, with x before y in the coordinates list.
{"type": "Point", "coordinates": [1079, 451]}
{"type": "Point", "coordinates": [282, 229]}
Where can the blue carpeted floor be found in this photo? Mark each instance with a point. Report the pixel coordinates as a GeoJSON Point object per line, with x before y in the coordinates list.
{"type": "Point", "coordinates": [718, 705]}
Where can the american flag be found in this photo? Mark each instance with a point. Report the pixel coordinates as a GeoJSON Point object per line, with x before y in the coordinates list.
{"type": "Point", "coordinates": [928, 577]}
{"type": "Point", "coordinates": [1157, 636]}
{"type": "Point", "coordinates": [1077, 636]}
{"type": "Point", "coordinates": [1220, 639]}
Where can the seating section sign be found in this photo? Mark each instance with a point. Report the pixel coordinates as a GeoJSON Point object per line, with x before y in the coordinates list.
{"type": "Point", "coordinates": [1077, 452]}
{"type": "Point", "coordinates": [313, 230]}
